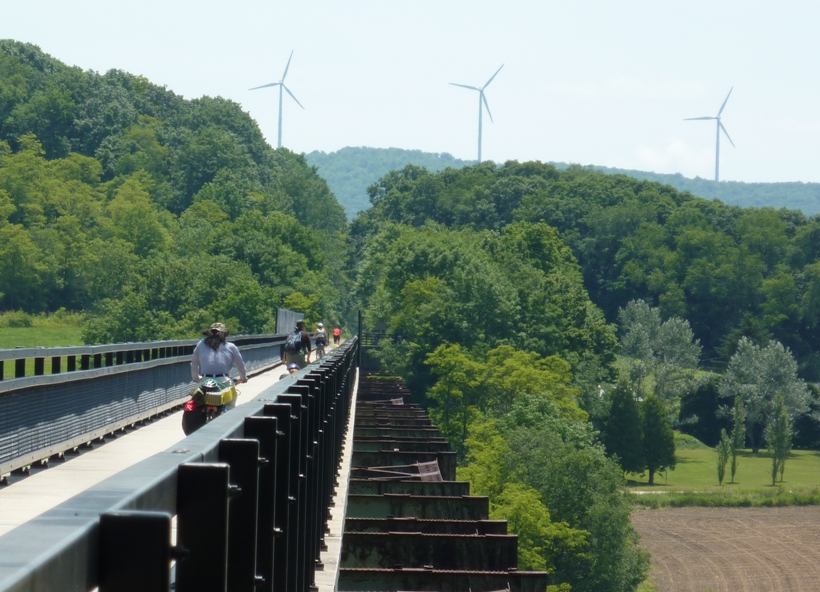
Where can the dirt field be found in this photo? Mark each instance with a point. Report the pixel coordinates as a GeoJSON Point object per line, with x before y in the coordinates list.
{"type": "Point", "coordinates": [732, 549]}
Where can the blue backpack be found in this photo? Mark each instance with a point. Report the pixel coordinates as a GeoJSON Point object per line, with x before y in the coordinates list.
{"type": "Point", "coordinates": [294, 342]}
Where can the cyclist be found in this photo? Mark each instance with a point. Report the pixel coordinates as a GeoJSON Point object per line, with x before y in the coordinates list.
{"type": "Point", "coordinates": [213, 357]}
{"type": "Point", "coordinates": [320, 338]}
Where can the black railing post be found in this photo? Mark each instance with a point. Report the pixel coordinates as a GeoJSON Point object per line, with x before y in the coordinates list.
{"type": "Point", "coordinates": [203, 491]}
{"type": "Point", "coordinates": [265, 430]}
{"type": "Point", "coordinates": [243, 457]}
{"type": "Point", "coordinates": [282, 554]}
{"type": "Point", "coordinates": [296, 526]}
{"type": "Point", "coordinates": [135, 552]}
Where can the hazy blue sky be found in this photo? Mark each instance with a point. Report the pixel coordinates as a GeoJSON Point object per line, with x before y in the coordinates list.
{"type": "Point", "coordinates": [601, 82]}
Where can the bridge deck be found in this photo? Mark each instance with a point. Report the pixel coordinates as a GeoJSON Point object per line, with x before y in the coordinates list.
{"type": "Point", "coordinates": [28, 497]}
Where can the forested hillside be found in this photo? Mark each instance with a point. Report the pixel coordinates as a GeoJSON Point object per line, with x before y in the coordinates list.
{"type": "Point", "coordinates": [731, 272]}
{"type": "Point", "coordinates": [157, 214]}
{"type": "Point", "coordinates": [794, 196]}
{"type": "Point", "coordinates": [350, 171]}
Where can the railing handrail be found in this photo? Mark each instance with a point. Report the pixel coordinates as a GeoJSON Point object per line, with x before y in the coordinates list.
{"type": "Point", "coordinates": [61, 546]}
{"type": "Point", "coordinates": [11, 384]}
{"type": "Point", "coordinates": [79, 350]}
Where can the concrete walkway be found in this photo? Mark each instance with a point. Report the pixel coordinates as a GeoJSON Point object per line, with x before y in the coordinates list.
{"type": "Point", "coordinates": [45, 488]}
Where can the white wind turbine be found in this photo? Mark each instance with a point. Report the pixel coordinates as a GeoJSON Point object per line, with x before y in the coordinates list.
{"type": "Point", "coordinates": [281, 85]}
{"type": "Point", "coordinates": [719, 127]}
{"type": "Point", "coordinates": [482, 103]}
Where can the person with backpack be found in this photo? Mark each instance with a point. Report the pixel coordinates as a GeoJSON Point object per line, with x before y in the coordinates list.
{"type": "Point", "coordinates": [297, 347]}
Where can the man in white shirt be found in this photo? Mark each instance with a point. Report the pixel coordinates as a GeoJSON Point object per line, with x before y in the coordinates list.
{"type": "Point", "coordinates": [213, 357]}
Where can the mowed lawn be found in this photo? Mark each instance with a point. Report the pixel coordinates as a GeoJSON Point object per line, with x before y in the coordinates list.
{"type": "Point", "coordinates": [50, 336]}
{"type": "Point", "coordinates": [11, 337]}
{"type": "Point", "coordinates": [696, 470]}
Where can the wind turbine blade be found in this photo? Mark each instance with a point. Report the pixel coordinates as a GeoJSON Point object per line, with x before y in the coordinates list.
{"type": "Point", "coordinates": [483, 98]}
{"type": "Point", "coordinates": [291, 96]}
{"type": "Point", "coordinates": [727, 134]}
{"type": "Point", "coordinates": [698, 118]}
{"type": "Point", "coordinates": [493, 76]}
{"type": "Point", "coordinates": [725, 101]}
{"type": "Point", "coordinates": [288, 66]}
{"type": "Point", "coordinates": [465, 86]}
{"type": "Point", "coordinates": [266, 85]}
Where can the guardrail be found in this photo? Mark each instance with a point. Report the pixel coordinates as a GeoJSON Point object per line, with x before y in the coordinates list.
{"type": "Point", "coordinates": [99, 356]}
{"type": "Point", "coordinates": [251, 493]}
{"type": "Point", "coordinates": [48, 414]}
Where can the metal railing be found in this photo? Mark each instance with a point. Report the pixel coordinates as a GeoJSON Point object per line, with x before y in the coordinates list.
{"type": "Point", "coordinates": [45, 415]}
{"type": "Point", "coordinates": [87, 357]}
{"type": "Point", "coordinates": [251, 493]}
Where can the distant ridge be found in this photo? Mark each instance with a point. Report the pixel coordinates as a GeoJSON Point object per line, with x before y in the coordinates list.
{"type": "Point", "coordinates": [794, 195]}
{"type": "Point", "coordinates": [350, 171]}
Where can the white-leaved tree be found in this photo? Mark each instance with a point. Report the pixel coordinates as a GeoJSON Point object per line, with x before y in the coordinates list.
{"type": "Point", "coordinates": [665, 350]}
{"type": "Point", "coordinates": [756, 375]}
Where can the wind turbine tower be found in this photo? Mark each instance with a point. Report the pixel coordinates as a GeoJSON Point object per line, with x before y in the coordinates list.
{"type": "Point", "coordinates": [719, 127]}
{"type": "Point", "coordinates": [482, 103]}
{"type": "Point", "coordinates": [281, 85]}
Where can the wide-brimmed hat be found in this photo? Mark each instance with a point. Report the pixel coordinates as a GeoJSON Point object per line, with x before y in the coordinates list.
{"type": "Point", "coordinates": [216, 328]}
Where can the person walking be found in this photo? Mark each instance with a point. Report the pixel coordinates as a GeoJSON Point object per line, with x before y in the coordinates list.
{"type": "Point", "coordinates": [337, 335]}
{"type": "Point", "coordinates": [297, 347]}
{"type": "Point", "coordinates": [214, 356]}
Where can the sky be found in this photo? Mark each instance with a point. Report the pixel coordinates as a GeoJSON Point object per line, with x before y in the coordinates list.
{"type": "Point", "coordinates": [591, 82]}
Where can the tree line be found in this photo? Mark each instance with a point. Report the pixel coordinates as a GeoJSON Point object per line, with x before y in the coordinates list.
{"type": "Point", "coordinates": [155, 214]}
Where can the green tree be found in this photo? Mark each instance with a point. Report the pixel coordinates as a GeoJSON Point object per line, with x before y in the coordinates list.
{"type": "Point", "coordinates": [456, 390]}
{"type": "Point", "coordinates": [738, 433]}
{"type": "Point", "coordinates": [666, 351]}
{"type": "Point", "coordinates": [623, 435]}
{"type": "Point", "coordinates": [779, 437]}
{"type": "Point", "coordinates": [658, 437]}
{"type": "Point", "coordinates": [134, 219]}
{"type": "Point", "coordinates": [542, 543]}
{"type": "Point", "coordinates": [537, 446]}
{"type": "Point", "coordinates": [21, 268]}
{"type": "Point", "coordinates": [723, 451]}
{"type": "Point", "coordinates": [756, 375]}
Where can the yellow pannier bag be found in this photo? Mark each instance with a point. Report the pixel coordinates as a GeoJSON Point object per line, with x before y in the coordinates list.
{"type": "Point", "coordinates": [223, 397]}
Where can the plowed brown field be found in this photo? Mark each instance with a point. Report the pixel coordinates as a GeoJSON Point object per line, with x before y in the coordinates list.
{"type": "Point", "coordinates": [732, 549]}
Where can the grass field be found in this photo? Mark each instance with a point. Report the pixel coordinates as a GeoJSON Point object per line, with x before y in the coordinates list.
{"type": "Point", "coordinates": [11, 337]}
{"type": "Point", "coordinates": [694, 480]}
{"type": "Point", "coordinates": [44, 331]}
{"type": "Point", "coordinates": [696, 471]}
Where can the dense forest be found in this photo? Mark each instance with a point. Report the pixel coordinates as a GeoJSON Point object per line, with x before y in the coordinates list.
{"type": "Point", "coordinates": [157, 214]}
{"type": "Point", "coordinates": [350, 171]}
{"type": "Point", "coordinates": [731, 272]}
